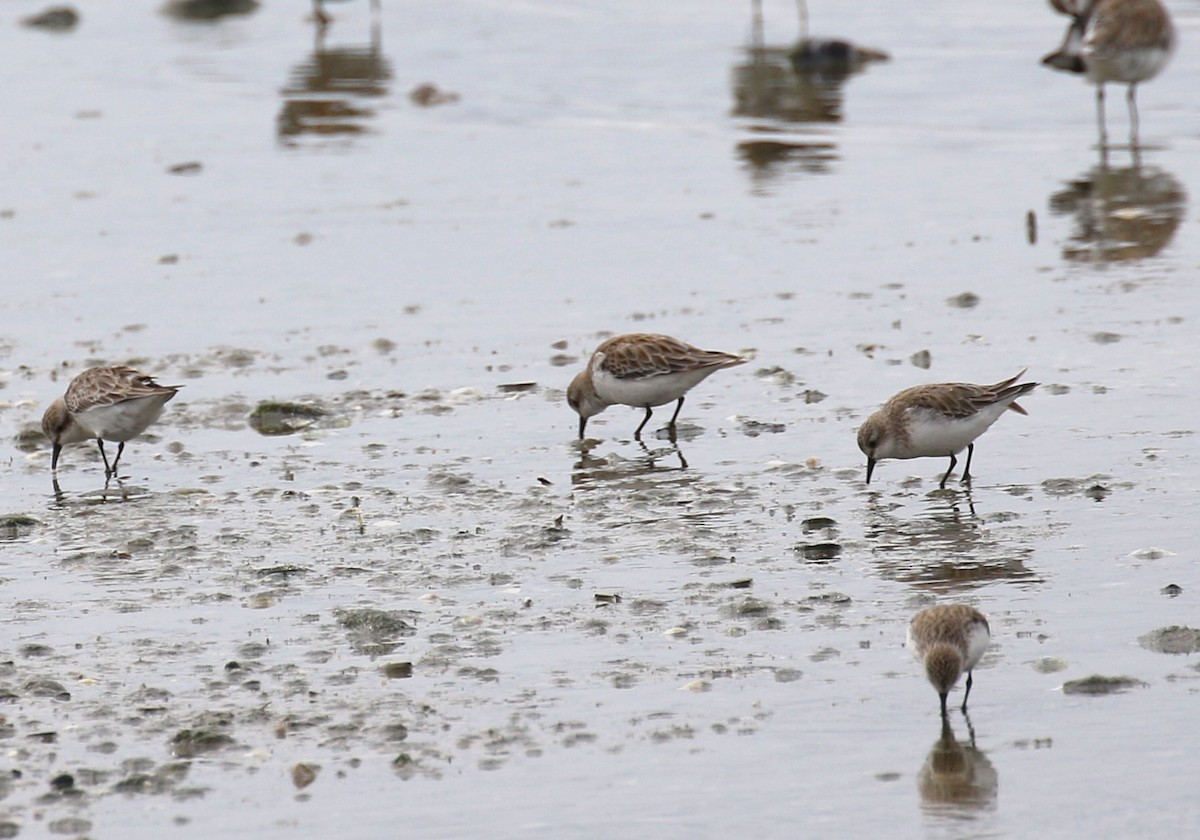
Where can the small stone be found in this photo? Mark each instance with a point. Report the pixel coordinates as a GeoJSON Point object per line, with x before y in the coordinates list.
{"type": "Point", "coordinates": [428, 94]}
{"type": "Point", "coordinates": [398, 670]}
{"type": "Point", "coordinates": [304, 775]}
{"type": "Point", "coordinates": [1049, 664]}
{"type": "Point", "coordinates": [966, 300]}
{"type": "Point", "coordinates": [54, 19]}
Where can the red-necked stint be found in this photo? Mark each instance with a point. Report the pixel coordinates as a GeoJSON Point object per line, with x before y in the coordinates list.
{"type": "Point", "coordinates": [949, 639]}
{"type": "Point", "coordinates": [643, 370]}
{"type": "Point", "coordinates": [105, 403]}
{"type": "Point", "coordinates": [938, 421]}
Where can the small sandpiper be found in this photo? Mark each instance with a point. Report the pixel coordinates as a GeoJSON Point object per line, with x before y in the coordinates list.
{"type": "Point", "coordinates": [643, 370]}
{"type": "Point", "coordinates": [105, 403]}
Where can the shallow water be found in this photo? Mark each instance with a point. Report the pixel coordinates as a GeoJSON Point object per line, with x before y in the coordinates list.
{"type": "Point", "coordinates": [692, 640]}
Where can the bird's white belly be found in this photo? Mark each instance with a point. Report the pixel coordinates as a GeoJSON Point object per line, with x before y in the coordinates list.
{"type": "Point", "coordinates": [932, 435]}
{"type": "Point", "coordinates": [977, 642]}
{"type": "Point", "coordinates": [1126, 66]}
{"type": "Point", "coordinates": [646, 391]}
{"type": "Point", "coordinates": [121, 421]}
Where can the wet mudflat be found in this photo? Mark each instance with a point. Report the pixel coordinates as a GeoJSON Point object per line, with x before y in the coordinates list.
{"type": "Point", "coordinates": [422, 604]}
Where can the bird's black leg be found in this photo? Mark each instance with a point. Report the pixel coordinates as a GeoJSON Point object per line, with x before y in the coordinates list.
{"type": "Point", "coordinates": [967, 693]}
{"type": "Point", "coordinates": [966, 479]}
{"type": "Point", "coordinates": [671, 425]}
{"type": "Point", "coordinates": [120, 450]}
{"type": "Point", "coordinates": [1133, 116]}
{"type": "Point", "coordinates": [638, 434]}
{"type": "Point", "coordinates": [107, 469]}
{"type": "Point", "coordinates": [1100, 117]}
{"type": "Point", "coordinates": [943, 698]}
{"type": "Point", "coordinates": [953, 464]}
{"type": "Point", "coordinates": [671, 435]}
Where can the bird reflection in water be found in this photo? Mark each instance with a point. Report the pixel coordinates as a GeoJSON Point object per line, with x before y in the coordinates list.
{"type": "Point", "coordinates": [208, 10]}
{"type": "Point", "coordinates": [1120, 214]}
{"type": "Point", "coordinates": [656, 462]}
{"type": "Point", "coordinates": [957, 779]}
{"type": "Point", "coordinates": [945, 548]}
{"type": "Point", "coordinates": [329, 95]}
{"type": "Point", "coordinates": [794, 85]}
{"type": "Point", "coordinates": [114, 490]}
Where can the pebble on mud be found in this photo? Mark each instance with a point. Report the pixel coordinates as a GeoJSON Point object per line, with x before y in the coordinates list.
{"type": "Point", "coordinates": [966, 300]}
{"type": "Point", "coordinates": [1171, 590]}
{"type": "Point", "coordinates": [777, 375]}
{"type": "Point", "coordinates": [376, 632]}
{"type": "Point", "coordinates": [1151, 553]}
{"type": "Point", "coordinates": [1173, 640]}
{"type": "Point", "coordinates": [819, 552]}
{"type": "Point", "coordinates": [818, 523]}
{"type": "Point", "coordinates": [1049, 664]}
{"type": "Point", "coordinates": [1098, 684]}
{"type": "Point", "coordinates": [15, 525]}
{"type": "Point", "coordinates": [189, 743]}
{"type": "Point", "coordinates": [516, 387]}
{"type": "Point", "coordinates": [754, 428]}
{"type": "Point", "coordinates": [30, 439]}
{"type": "Point", "coordinates": [304, 775]}
{"type": "Point", "coordinates": [54, 19]}
{"type": "Point", "coordinates": [46, 688]}
{"type": "Point", "coordinates": [206, 10]}
{"type": "Point", "coordinates": [398, 670]}
{"type": "Point", "coordinates": [429, 94]}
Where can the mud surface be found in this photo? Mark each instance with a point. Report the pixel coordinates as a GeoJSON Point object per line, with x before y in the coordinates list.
{"type": "Point", "coordinates": [362, 579]}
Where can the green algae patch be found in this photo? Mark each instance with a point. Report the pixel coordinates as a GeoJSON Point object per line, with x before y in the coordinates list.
{"type": "Point", "coordinates": [1174, 640]}
{"type": "Point", "coordinates": [1097, 685]}
{"type": "Point", "coordinates": [274, 419]}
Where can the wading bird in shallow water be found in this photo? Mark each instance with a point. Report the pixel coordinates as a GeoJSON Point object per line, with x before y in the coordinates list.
{"type": "Point", "coordinates": [643, 370]}
{"type": "Point", "coordinates": [938, 421]}
{"type": "Point", "coordinates": [1125, 41]}
{"type": "Point", "coordinates": [949, 639]}
{"type": "Point", "coordinates": [105, 403]}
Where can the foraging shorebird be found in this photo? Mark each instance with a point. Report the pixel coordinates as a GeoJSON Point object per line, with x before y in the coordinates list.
{"type": "Point", "coordinates": [105, 403]}
{"type": "Point", "coordinates": [643, 370]}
